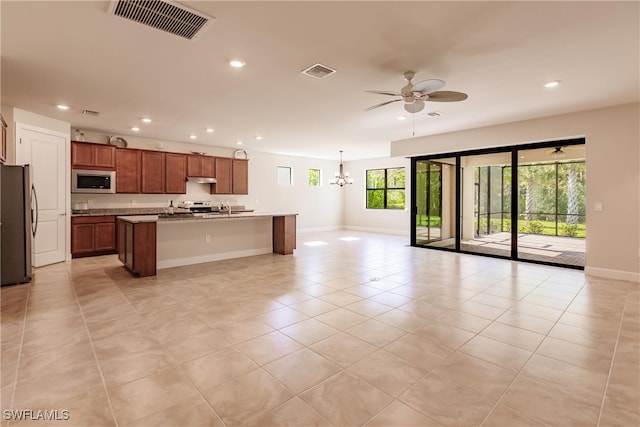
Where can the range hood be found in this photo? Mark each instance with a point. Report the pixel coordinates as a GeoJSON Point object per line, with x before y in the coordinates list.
{"type": "Point", "coordinates": [202, 179]}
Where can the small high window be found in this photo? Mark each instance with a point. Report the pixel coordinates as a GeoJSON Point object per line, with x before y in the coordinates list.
{"type": "Point", "coordinates": [314, 177]}
{"type": "Point", "coordinates": [284, 175]}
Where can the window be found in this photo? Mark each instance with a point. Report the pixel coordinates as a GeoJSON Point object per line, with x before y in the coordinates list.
{"type": "Point", "coordinates": [284, 175]}
{"type": "Point", "coordinates": [314, 177]}
{"type": "Point", "coordinates": [385, 188]}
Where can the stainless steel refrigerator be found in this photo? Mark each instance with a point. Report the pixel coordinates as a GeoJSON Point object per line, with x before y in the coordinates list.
{"type": "Point", "coordinates": [17, 225]}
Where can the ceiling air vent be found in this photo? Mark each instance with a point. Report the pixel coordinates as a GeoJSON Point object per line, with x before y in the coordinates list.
{"type": "Point", "coordinates": [90, 113]}
{"type": "Point", "coordinates": [163, 15]}
{"type": "Point", "coordinates": [319, 71]}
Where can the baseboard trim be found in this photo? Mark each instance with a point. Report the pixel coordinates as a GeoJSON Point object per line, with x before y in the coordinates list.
{"type": "Point", "coordinates": [319, 229]}
{"type": "Point", "coordinates": [606, 273]}
{"type": "Point", "coordinates": [177, 262]}
{"type": "Point", "coordinates": [378, 230]}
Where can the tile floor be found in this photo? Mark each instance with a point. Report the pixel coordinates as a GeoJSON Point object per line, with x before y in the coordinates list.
{"type": "Point", "coordinates": [355, 332]}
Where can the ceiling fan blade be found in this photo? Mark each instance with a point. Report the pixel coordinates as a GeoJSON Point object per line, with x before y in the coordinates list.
{"type": "Point", "coordinates": [384, 92]}
{"type": "Point", "coordinates": [414, 107]}
{"type": "Point", "coordinates": [380, 105]}
{"type": "Point", "coordinates": [428, 86]}
{"type": "Point", "coordinates": [447, 96]}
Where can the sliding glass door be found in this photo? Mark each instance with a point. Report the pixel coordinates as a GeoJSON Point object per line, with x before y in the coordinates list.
{"type": "Point", "coordinates": [435, 203]}
{"type": "Point", "coordinates": [524, 202]}
{"type": "Point", "coordinates": [486, 204]}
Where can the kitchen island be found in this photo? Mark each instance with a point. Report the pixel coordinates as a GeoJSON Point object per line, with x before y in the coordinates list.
{"type": "Point", "coordinates": [149, 242]}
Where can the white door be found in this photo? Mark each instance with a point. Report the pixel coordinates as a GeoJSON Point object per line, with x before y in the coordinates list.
{"type": "Point", "coordinates": [45, 152]}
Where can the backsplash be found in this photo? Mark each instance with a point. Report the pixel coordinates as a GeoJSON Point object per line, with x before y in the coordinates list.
{"type": "Point", "coordinates": [194, 192]}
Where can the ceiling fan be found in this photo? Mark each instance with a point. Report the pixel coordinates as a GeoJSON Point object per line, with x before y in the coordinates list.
{"type": "Point", "coordinates": [414, 95]}
{"type": "Point", "coordinates": [559, 151]}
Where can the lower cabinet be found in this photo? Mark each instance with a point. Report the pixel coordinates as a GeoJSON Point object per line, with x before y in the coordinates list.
{"type": "Point", "coordinates": [137, 247]}
{"type": "Point", "coordinates": [93, 235]}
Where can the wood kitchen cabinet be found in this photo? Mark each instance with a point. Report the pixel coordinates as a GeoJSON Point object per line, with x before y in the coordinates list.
{"type": "Point", "coordinates": [232, 176]}
{"type": "Point", "coordinates": [201, 166]}
{"type": "Point", "coordinates": [176, 173]}
{"type": "Point", "coordinates": [284, 234]}
{"type": "Point", "coordinates": [128, 179]}
{"type": "Point", "coordinates": [224, 176]}
{"type": "Point", "coordinates": [85, 155]}
{"type": "Point", "coordinates": [240, 172]}
{"type": "Point", "coordinates": [93, 235]}
{"type": "Point", "coordinates": [137, 247]}
{"type": "Point", "coordinates": [3, 149]}
{"type": "Point", "coordinates": [152, 171]}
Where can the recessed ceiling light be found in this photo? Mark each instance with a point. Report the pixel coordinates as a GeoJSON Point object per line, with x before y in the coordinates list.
{"type": "Point", "coordinates": [237, 63]}
{"type": "Point", "coordinates": [146, 120]}
{"type": "Point", "coordinates": [258, 137]}
{"type": "Point", "coordinates": [135, 129]}
{"type": "Point", "coordinates": [192, 136]}
{"type": "Point", "coordinates": [402, 118]}
{"type": "Point", "coordinates": [62, 107]}
{"type": "Point", "coordinates": [238, 142]}
{"type": "Point", "coordinates": [210, 130]}
{"type": "Point", "coordinates": [552, 83]}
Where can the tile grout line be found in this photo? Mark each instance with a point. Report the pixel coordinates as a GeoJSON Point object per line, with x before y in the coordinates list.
{"type": "Point", "coordinates": [533, 353]}
{"type": "Point", "coordinates": [24, 327]}
{"type": "Point", "coordinates": [93, 350]}
{"type": "Point", "coordinates": [613, 358]}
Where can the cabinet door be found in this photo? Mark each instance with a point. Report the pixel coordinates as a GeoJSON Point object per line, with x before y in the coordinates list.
{"type": "Point", "coordinates": [240, 176]}
{"type": "Point", "coordinates": [82, 155]}
{"type": "Point", "coordinates": [152, 168]}
{"type": "Point", "coordinates": [223, 176]}
{"type": "Point", "coordinates": [85, 155]}
{"type": "Point", "coordinates": [82, 239]}
{"type": "Point", "coordinates": [176, 178]}
{"type": "Point", "coordinates": [3, 153]}
{"type": "Point", "coordinates": [104, 156]}
{"type": "Point", "coordinates": [209, 167]}
{"type": "Point", "coordinates": [121, 240]}
{"type": "Point", "coordinates": [128, 245]}
{"type": "Point", "coordinates": [194, 165]}
{"type": "Point", "coordinates": [105, 236]}
{"type": "Point", "coordinates": [127, 171]}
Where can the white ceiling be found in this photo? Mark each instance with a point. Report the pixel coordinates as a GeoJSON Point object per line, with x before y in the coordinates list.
{"type": "Point", "coordinates": [500, 53]}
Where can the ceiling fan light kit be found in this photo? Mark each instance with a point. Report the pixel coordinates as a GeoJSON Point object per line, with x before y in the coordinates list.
{"type": "Point", "coordinates": [415, 95]}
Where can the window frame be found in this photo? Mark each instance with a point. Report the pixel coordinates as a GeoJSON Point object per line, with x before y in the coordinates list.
{"type": "Point", "coordinates": [385, 189]}
{"type": "Point", "coordinates": [319, 184]}
{"type": "Point", "coordinates": [290, 169]}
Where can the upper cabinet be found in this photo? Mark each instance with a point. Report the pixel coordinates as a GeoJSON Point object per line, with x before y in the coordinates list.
{"type": "Point", "coordinates": [224, 176]}
{"type": "Point", "coordinates": [152, 172]}
{"type": "Point", "coordinates": [128, 170]}
{"type": "Point", "coordinates": [92, 156]}
{"type": "Point", "coordinates": [158, 172]}
{"type": "Point", "coordinates": [176, 173]}
{"type": "Point", "coordinates": [240, 183]}
{"type": "Point", "coordinates": [232, 176]}
{"type": "Point", "coordinates": [201, 166]}
{"type": "Point", "coordinates": [3, 152]}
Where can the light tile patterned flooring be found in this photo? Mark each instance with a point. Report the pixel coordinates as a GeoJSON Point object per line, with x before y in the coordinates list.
{"type": "Point", "coordinates": [362, 332]}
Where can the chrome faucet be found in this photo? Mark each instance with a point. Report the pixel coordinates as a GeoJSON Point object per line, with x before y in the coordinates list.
{"type": "Point", "coordinates": [229, 210]}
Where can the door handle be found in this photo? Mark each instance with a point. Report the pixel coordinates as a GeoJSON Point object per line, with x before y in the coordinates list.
{"type": "Point", "coordinates": [63, 214]}
{"type": "Point", "coordinates": [34, 225]}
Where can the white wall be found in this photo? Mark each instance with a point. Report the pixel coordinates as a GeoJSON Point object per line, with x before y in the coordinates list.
{"type": "Point", "coordinates": [613, 174]}
{"type": "Point", "coordinates": [357, 216]}
{"type": "Point", "coordinates": [319, 208]}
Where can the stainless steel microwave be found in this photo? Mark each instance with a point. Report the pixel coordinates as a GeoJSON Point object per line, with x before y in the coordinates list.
{"type": "Point", "coordinates": [93, 181]}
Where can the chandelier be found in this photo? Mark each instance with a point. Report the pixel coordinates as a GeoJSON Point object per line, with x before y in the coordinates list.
{"type": "Point", "coordinates": [341, 178]}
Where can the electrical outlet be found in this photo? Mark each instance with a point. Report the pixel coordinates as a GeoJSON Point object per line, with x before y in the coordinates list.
{"type": "Point", "coordinates": [133, 202]}
{"type": "Point", "coordinates": [207, 238]}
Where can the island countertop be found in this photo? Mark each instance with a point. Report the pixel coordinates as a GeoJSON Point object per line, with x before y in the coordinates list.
{"type": "Point", "coordinates": [144, 246]}
{"type": "Point", "coordinates": [197, 218]}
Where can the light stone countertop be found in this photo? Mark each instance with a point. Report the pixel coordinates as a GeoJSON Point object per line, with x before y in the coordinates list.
{"type": "Point", "coordinates": [212, 217]}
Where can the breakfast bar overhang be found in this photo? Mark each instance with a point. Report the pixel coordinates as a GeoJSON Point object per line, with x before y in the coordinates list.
{"type": "Point", "coordinates": [147, 243]}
